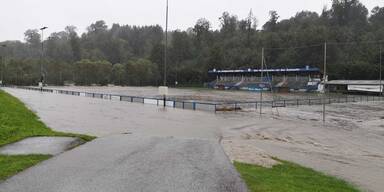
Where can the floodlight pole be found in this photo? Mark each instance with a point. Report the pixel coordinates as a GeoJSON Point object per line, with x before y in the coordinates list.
{"type": "Point", "coordinates": [261, 90]}
{"type": "Point", "coordinates": [325, 79]}
{"type": "Point", "coordinates": [165, 54]}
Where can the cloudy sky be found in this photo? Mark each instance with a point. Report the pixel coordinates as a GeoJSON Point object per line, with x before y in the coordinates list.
{"type": "Point", "coordinates": [19, 15]}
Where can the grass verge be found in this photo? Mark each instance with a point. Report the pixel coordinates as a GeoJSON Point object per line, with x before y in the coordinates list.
{"type": "Point", "coordinates": [10, 165]}
{"type": "Point", "coordinates": [16, 123]}
{"type": "Point", "coordinates": [290, 177]}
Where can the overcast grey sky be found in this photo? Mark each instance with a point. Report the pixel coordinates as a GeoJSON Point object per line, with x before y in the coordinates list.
{"type": "Point", "coordinates": [19, 15]}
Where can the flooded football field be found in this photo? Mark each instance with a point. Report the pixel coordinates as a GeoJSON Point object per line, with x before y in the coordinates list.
{"type": "Point", "coordinates": [349, 144]}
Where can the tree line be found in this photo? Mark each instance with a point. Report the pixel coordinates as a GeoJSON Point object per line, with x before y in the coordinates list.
{"type": "Point", "coordinates": [134, 55]}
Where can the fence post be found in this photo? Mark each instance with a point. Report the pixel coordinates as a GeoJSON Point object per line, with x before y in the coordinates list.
{"type": "Point", "coordinates": [194, 105]}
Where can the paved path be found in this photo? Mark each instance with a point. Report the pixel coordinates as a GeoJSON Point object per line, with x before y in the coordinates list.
{"type": "Point", "coordinates": [41, 145]}
{"type": "Point", "coordinates": [128, 163]}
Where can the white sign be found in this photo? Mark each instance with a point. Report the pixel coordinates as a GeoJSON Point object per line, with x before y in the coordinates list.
{"type": "Point", "coordinates": [366, 88]}
{"type": "Point", "coordinates": [163, 90]}
{"type": "Point", "coordinates": [40, 84]}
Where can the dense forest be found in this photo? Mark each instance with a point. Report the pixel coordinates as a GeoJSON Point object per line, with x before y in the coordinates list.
{"type": "Point", "coordinates": [134, 55]}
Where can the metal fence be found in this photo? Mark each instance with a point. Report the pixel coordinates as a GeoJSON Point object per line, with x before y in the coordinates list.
{"type": "Point", "coordinates": [217, 106]}
{"type": "Point", "coordinates": [297, 102]}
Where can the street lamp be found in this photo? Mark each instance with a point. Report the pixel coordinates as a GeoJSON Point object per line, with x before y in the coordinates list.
{"type": "Point", "coordinates": [41, 83]}
{"type": "Point", "coordinates": [166, 46]}
{"type": "Point", "coordinates": [2, 65]}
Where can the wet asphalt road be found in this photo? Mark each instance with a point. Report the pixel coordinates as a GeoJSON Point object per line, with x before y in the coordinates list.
{"type": "Point", "coordinates": [126, 163]}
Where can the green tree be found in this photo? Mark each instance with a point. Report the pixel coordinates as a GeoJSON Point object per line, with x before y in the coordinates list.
{"type": "Point", "coordinates": [270, 25]}
{"type": "Point", "coordinates": [118, 74]}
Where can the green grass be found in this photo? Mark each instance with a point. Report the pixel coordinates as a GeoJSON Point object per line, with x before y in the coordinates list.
{"type": "Point", "coordinates": [290, 177]}
{"type": "Point", "coordinates": [16, 123]}
{"type": "Point", "coordinates": [10, 165]}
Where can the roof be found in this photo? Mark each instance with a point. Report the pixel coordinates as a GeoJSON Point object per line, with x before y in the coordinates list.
{"type": "Point", "coordinates": [355, 82]}
{"type": "Point", "coordinates": [306, 69]}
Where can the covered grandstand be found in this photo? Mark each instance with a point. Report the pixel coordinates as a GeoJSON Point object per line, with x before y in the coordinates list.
{"type": "Point", "coordinates": [285, 79]}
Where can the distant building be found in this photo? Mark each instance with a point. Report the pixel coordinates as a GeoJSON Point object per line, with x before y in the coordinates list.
{"type": "Point", "coordinates": [355, 86]}
{"type": "Point", "coordinates": [284, 79]}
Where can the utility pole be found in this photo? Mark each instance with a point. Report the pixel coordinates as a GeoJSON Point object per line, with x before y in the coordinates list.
{"type": "Point", "coordinates": [42, 58]}
{"type": "Point", "coordinates": [325, 64]}
{"type": "Point", "coordinates": [380, 69]}
{"type": "Point", "coordinates": [325, 78]}
{"type": "Point", "coordinates": [261, 79]}
{"type": "Point", "coordinates": [166, 46]}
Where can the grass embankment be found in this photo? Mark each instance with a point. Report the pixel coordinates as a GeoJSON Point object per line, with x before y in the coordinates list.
{"type": "Point", "coordinates": [10, 165]}
{"type": "Point", "coordinates": [17, 123]}
{"type": "Point", "coordinates": [290, 177]}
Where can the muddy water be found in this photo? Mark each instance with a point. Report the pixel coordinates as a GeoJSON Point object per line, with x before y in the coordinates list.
{"type": "Point", "coordinates": [349, 145]}
{"type": "Point", "coordinates": [198, 94]}
{"type": "Point", "coordinates": [107, 117]}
